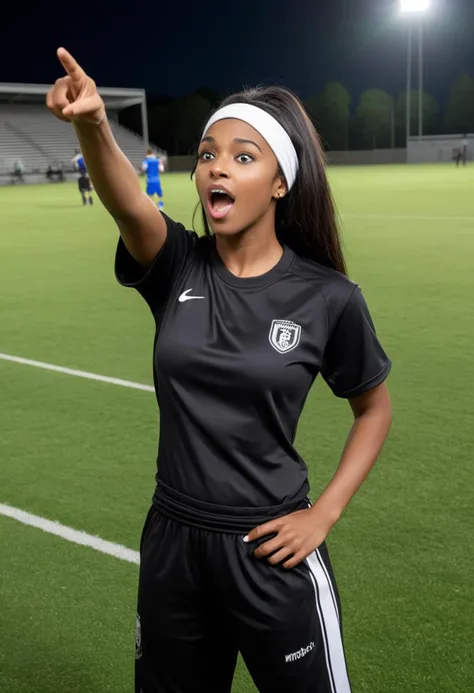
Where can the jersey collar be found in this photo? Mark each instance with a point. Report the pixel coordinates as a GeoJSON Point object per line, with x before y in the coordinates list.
{"type": "Point", "coordinates": [269, 277]}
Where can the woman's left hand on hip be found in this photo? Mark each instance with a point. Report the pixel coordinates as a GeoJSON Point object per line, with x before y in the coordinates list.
{"type": "Point", "coordinates": [297, 536]}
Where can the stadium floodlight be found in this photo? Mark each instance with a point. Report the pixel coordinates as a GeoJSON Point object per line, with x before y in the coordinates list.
{"type": "Point", "coordinates": [414, 5]}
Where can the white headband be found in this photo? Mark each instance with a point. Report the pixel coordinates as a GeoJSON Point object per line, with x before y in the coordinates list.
{"type": "Point", "coordinates": [271, 131]}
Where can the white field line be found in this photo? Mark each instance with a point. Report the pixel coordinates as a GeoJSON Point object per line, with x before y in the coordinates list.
{"type": "Point", "coordinates": [72, 535]}
{"type": "Point", "coordinates": [79, 374]}
{"type": "Point", "coordinates": [96, 543]}
{"type": "Point", "coordinates": [402, 217]}
{"type": "Point", "coordinates": [67, 533]}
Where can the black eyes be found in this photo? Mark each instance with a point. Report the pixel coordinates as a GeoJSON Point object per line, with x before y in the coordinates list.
{"type": "Point", "coordinates": [244, 158]}
{"type": "Point", "coordinates": [206, 156]}
{"type": "Point", "coordinates": [210, 156]}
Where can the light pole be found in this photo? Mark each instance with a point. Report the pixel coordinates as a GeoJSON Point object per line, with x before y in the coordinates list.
{"type": "Point", "coordinates": [408, 103]}
{"type": "Point", "coordinates": [420, 77]}
{"type": "Point", "coordinates": [417, 7]}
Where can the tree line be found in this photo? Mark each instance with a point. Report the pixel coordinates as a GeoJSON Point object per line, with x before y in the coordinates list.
{"type": "Point", "coordinates": [377, 120]}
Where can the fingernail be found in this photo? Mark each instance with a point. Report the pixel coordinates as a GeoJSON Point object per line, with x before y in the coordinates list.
{"type": "Point", "coordinates": [246, 539]}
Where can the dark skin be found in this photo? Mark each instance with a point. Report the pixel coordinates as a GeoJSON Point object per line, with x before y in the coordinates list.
{"type": "Point", "coordinates": [235, 156]}
{"type": "Point", "coordinates": [300, 533]}
{"type": "Point", "coordinates": [74, 98]}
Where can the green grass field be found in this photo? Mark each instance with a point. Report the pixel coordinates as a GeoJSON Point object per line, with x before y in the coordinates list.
{"type": "Point", "coordinates": [83, 452]}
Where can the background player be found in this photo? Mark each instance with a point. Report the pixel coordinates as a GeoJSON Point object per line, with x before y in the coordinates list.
{"type": "Point", "coordinates": [152, 167]}
{"type": "Point", "coordinates": [85, 188]}
{"type": "Point", "coordinates": [79, 163]}
{"type": "Point", "coordinates": [83, 182]}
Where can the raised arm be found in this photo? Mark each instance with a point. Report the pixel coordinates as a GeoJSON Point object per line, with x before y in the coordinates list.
{"type": "Point", "coordinates": [74, 98]}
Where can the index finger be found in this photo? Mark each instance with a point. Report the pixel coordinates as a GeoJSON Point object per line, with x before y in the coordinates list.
{"type": "Point", "coordinates": [72, 67]}
{"type": "Point", "coordinates": [271, 527]}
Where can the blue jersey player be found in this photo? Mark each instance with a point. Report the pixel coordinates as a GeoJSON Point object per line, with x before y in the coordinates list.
{"type": "Point", "coordinates": [83, 182]}
{"type": "Point", "coordinates": [79, 163]}
{"type": "Point", "coordinates": [152, 166]}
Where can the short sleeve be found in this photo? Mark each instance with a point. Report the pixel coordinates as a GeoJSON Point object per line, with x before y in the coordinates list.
{"type": "Point", "coordinates": [154, 283]}
{"type": "Point", "coordinates": [354, 360]}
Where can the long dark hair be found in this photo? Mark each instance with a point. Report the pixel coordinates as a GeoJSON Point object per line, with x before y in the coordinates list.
{"type": "Point", "coordinates": [306, 217]}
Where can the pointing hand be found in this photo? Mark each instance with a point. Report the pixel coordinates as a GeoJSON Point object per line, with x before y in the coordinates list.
{"type": "Point", "coordinates": [75, 96]}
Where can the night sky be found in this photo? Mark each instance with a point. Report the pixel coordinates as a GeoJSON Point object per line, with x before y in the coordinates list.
{"type": "Point", "coordinates": [171, 48]}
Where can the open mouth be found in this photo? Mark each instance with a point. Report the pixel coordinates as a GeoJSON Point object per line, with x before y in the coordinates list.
{"type": "Point", "coordinates": [220, 203]}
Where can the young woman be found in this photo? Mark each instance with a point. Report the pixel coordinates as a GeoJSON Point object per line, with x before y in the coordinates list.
{"type": "Point", "coordinates": [232, 553]}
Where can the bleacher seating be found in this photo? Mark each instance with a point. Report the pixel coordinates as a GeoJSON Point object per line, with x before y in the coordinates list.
{"type": "Point", "coordinates": [13, 148]}
{"type": "Point", "coordinates": [29, 133]}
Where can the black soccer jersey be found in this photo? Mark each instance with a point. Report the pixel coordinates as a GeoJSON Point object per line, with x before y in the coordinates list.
{"type": "Point", "coordinates": [234, 360]}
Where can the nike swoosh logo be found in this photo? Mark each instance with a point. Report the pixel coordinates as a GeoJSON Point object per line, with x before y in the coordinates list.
{"type": "Point", "coordinates": [184, 296]}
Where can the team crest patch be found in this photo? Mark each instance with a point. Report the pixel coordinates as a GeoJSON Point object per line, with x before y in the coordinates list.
{"type": "Point", "coordinates": [138, 641]}
{"type": "Point", "coordinates": [284, 335]}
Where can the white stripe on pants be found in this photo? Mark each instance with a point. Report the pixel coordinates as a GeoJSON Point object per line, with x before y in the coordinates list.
{"type": "Point", "coordinates": [330, 627]}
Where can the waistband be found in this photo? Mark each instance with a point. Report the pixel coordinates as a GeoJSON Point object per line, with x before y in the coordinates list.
{"type": "Point", "coordinates": [218, 518]}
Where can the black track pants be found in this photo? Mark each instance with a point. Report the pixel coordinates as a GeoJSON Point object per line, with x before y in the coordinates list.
{"type": "Point", "coordinates": [203, 597]}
